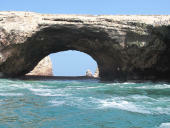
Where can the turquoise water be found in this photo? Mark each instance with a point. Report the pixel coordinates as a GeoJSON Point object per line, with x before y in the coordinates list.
{"type": "Point", "coordinates": [83, 104]}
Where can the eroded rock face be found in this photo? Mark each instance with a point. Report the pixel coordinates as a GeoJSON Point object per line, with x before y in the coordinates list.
{"type": "Point", "coordinates": [44, 68]}
{"type": "Point", "coordinates": [124, 47]}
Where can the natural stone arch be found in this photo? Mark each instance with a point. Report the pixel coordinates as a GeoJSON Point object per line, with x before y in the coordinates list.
{"type": "Point", "coordinates": [57, 38]}
{"type": "Point", "coordinates": [124, 47]}
{"type": "Point", "coordinates": [73, 63]}
{"type": "Point", "coordinates": [52, 40]}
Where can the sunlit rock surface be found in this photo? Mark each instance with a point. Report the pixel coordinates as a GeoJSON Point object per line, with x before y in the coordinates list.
{"type": "Point", "coordinates": [44, 68]}
{"type": "Point", "coordinates": [96, 74]}
{"type": "Point", "coordinates": [89, 73]}
{"type": "Point", "coordinates": [124, 46]}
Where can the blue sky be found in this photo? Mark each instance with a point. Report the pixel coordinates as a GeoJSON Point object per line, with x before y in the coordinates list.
{"type": "Point", "coordinates": [79, 62]}
{"type": "Point", "coordinates": [72, 63]}
{"type": "Point", "coordinates": [89, 6]}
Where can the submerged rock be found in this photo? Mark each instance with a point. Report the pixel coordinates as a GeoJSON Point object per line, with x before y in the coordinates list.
{"type": "Point", "coordinates": [124, 47]}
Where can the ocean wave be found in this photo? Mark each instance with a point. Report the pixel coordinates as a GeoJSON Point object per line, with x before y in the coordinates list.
{"type": "Point", "coordinates": [128, 83]}
{"type": "Point", "coordinates": [70, 101]}
{"type": "Point", "coordinates": [84, 87]}
{"type": "Point", "coordinates": [11, 94]}
{"type": "Point", "coordinates": [154, 105]}
{"type": "Point", "coordinates": [157, 86]}
{"type": "Point", "coordinates": [23, 85]}
{"type": "Point", "coordinates": [119, 103]}
{"type": "Point", "coordinates": [49, 92]}
{"type": "Point", "coordinates": [125, 83]}
{"type": "Point", "coordinates": [94, 103]}
{"type": "Point", "coordinates": [137, 104]}
{"type": "Point", "coordinates": [15, 86]}
{"type": "Point", "coordinates": [95, 96]}
{"type": "Point", "coordinates": [56, 103]}
{"type": "Point", "coordinates": [165, 125]}
{"type": "Point", "coordinates": [133, 103]}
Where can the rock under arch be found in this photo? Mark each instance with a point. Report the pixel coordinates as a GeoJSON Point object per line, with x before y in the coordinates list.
{"type": "Point", "coordinates": [43, 68]}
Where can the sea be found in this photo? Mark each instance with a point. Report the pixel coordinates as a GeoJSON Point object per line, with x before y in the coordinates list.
{"type": "Point", "coordinates": [88, 103]}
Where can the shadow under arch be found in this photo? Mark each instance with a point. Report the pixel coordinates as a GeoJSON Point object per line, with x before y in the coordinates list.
{"type": "Point", "coordinates": [63, 38]}
{"type": "Point", "coordinates": [53, 39]}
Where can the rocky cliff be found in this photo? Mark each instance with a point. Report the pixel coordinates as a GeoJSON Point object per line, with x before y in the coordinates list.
{"type": "Point", "coordinates": [43, 68]}
{"type": "Point", "coordinates": [124, 46]}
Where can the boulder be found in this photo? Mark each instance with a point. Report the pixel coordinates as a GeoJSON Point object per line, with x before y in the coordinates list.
{"type": "Point", "coordinates": [43, 68]}
{"type": "Point", "coordinates": [89, 73]}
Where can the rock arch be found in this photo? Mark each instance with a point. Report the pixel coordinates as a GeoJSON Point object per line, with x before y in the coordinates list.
{"type": "Point", "coordinates": [124, 47]}
{"type": "Point", "coordinates": [72, 63]}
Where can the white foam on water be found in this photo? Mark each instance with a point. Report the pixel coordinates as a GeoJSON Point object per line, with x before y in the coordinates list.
{"type": "Point", "coordinates": [165, 99]}
{"type": "Point", "coordinates": [40, 90]}
{"type": "Point", "coordinates": [86, 88]}
{"type": "Point", "coordinates": [49, 92]}
{"type": "Point", "coordinates": [134, 103]}
{"type": "Point", "coordinates": [125, 83]}
{"type": "Point", "coordinates": [75, 87]}
{"type": "Point", "coordinates": [11, 94]}
{"type": "Point", "coordinates": [121, 104]}
{"type": "Point", "coordinates": [21, 85]}
{"type": "Point", "coordinates": [113, 84]}
{"type": "Point", "coordinates": [161, 110]}
{"type": "Point", "coordinates": [128, 83]}
{"type": "Point", "coordinates": [56, 103]}
{"type": "Point", "coordinates": [140, 97]}
{"type": "Point", "coordinates": [153, 105]}
{"type": "Point", "coordinates": [75, 101]}
{"type": "Point", "coordinates": [94, 87]}
{"type": "Point", "coordinates": [15, 86]}
{"type": "Point", "coordinates": [79, 102]}
{"type": "Point", "coordinates": [165, 125]}
{"type": "Point", "coordinates": [157, 86]}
